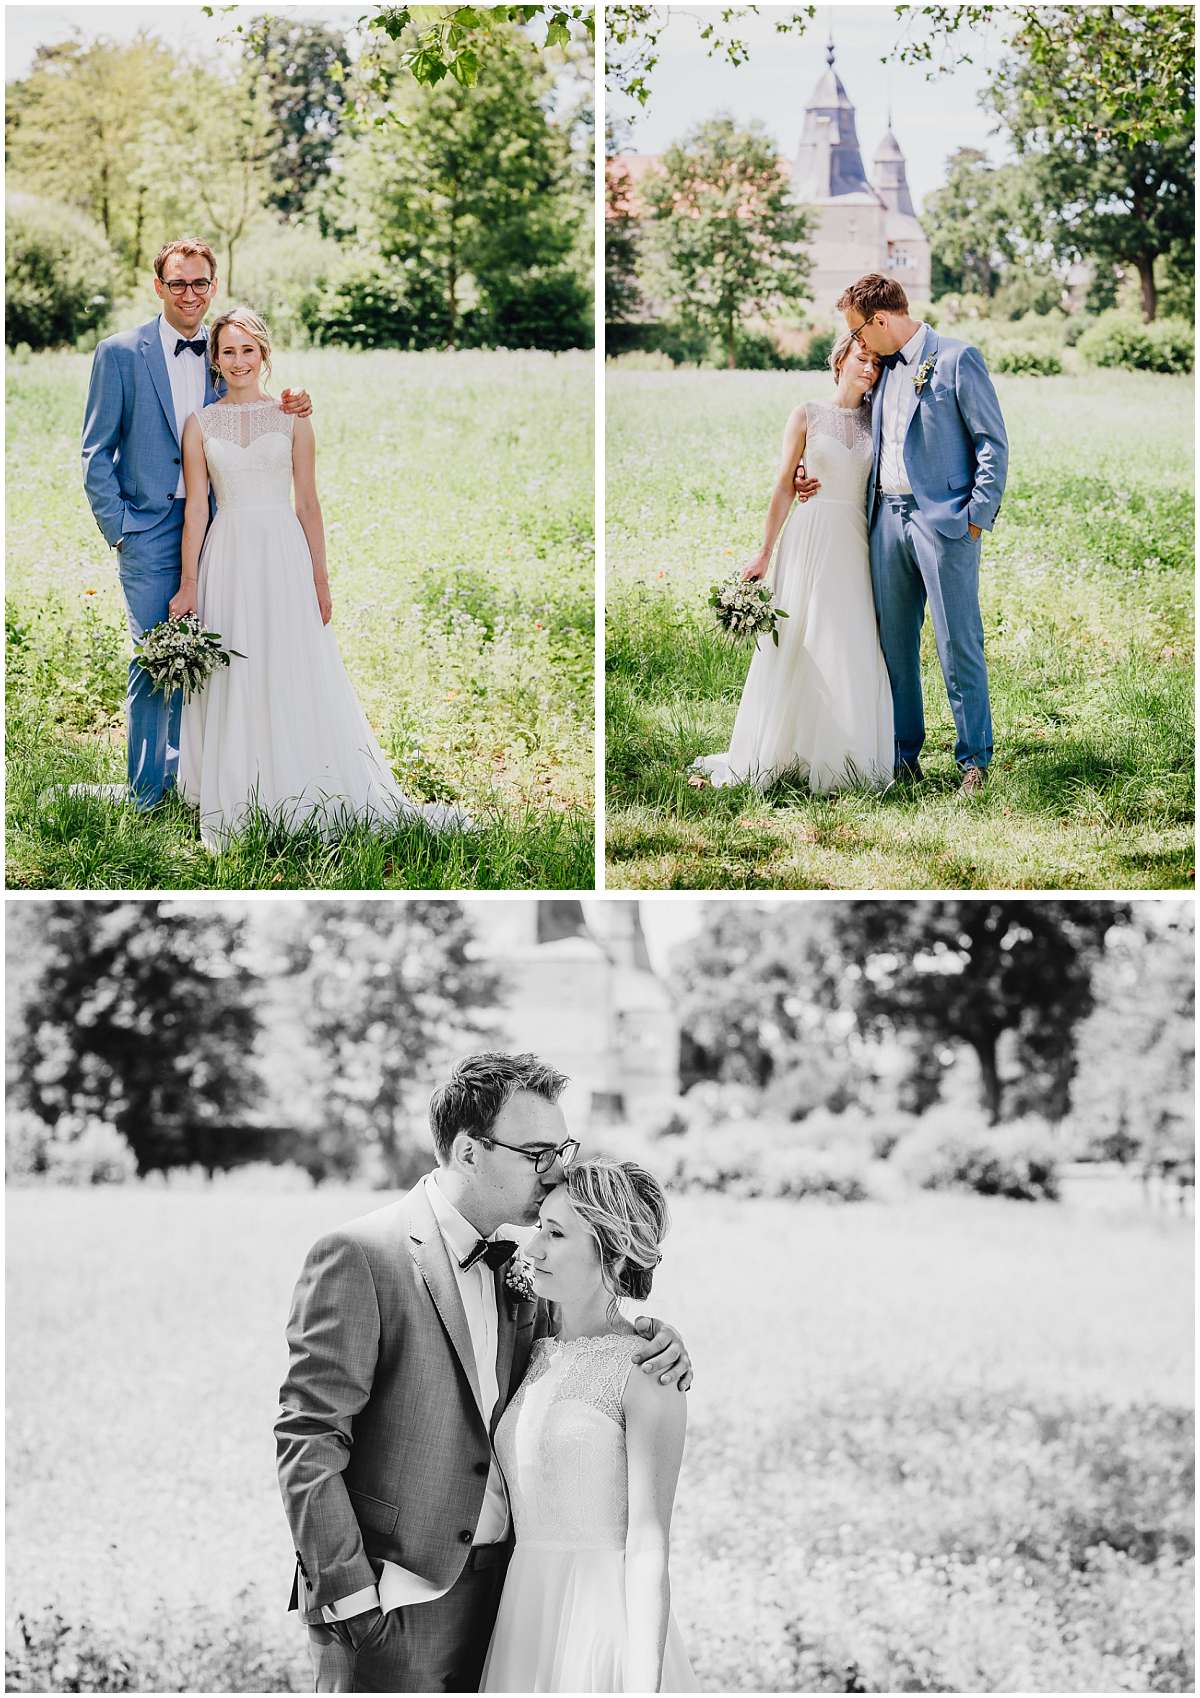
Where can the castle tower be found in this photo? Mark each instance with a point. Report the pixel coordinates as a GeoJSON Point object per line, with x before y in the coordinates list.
{"type": "Point", "coordinates": [858, 226]}
{"type": "Point", "coordinates": [908, 257]}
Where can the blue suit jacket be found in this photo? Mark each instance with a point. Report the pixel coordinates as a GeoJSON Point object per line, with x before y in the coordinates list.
{"type": "Point", "coordinates": [955, 446]}
{"type": "Point", "coordinates": [131, 453]}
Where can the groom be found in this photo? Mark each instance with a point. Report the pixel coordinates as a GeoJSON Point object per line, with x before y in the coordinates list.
{"type": "Point", "coordinates": [145, 384]}
{"type": "Point", "coordinates": [937, 478]}
{"type": "Point", "coordinates": [408, 1335]}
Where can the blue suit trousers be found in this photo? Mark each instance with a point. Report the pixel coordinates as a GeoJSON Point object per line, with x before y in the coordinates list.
{"type": "Point", "coordinates": [911, 565]}
{"type": "Point", "coordinates": [150, 566]}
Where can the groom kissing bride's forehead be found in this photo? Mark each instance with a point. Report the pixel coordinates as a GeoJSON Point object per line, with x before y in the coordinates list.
{"type": "Point", "coordinates": [410, 1336]}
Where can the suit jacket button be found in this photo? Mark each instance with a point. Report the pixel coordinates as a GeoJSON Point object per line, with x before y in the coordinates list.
{"type": "Point", "coordinates": [176, 460]}
{"type": "Point", "coordinates": [481, 1467]}
{"type": "Point", "coordinates": [466, 1536]}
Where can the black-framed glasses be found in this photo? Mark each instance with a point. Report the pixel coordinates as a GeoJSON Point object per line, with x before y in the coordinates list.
{"type": "Point", "coordinates": [543, 1159]}
{"type": "Point", "coordinates": [179, 286]}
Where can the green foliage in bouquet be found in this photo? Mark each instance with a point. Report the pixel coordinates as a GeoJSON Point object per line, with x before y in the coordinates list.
{"type": "Point", "coordinates": [179, 654]}
{"type": "Point", "coordinates": [746, 610]}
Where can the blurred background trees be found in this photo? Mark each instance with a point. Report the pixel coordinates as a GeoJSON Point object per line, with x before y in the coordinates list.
{"type": "Point", "coordinates": [348, 201]}
{"type": "Point", "coordinates": [832, 1047]}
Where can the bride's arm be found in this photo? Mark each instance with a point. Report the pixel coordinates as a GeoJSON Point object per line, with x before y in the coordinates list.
{"type": "Point", "coordinates": [308, 509]}
{"type": "Point", "coordinates": [195, 518]}
{"type": "Point", "coordinates": [655, 1419]}
{"type": "Point", "coordinates": [783, 493]}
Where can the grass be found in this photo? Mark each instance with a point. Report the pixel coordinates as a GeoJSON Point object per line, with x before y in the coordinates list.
{"type": "Point", "coordinates": [943, 1444]}
{"type": "Point", "coordinates": [458, 498]}
{"type": "Point", "coordinates": [1087, 603]}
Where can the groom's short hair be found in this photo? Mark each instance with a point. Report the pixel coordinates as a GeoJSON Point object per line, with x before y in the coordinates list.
{"type": "Point", "coordinates": [187, 247]}
{"type": "Point", "coordinates": [874, 293]}
{"type": "Point", "coordinates": [478, 1089]}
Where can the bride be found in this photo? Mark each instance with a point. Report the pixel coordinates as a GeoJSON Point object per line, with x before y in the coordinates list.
{"type": "Point", "coordinates": [280, 730]}
{"type": "Point", "coordinates": [820, 702]}
{"type": "Point", "coordinates": [590, 1453]}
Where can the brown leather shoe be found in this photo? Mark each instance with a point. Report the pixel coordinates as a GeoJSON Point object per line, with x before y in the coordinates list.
{"type": "Point", "coordinates": [974, 780]}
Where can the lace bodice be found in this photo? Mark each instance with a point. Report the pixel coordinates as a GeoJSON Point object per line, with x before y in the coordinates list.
{"type": "Point", "coordinates": [561, 1444]}
{"type": "Point", "coordinates": [838, 450]}
{"type": "Point", "coordinates": [249, 454]}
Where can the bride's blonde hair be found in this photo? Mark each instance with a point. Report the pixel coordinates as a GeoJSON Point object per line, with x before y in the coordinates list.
{"type": "Point", "coordinates": [248, 320]}
{"type": "Point", "coordinates": [625, 1209]}
{"type": "Point", "coordinates": [839, 353]}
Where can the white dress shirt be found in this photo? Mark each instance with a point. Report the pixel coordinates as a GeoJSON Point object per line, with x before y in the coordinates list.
{"type": "Point", "coordinates": [186, 372]}
{"type": "Point", "coordinates": [897, 394]}
{"type": "Point", "coordinates": [477, 1288]}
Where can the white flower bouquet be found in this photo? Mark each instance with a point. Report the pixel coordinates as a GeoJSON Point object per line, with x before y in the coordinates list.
{"type": "Point", "coordinates": [179, 654]}
{"type": "Point", "coordinates": [746, 609]}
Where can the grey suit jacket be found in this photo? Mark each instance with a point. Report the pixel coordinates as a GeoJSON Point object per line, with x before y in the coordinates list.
{"type": "Point", "coordinates": [383, 1449]}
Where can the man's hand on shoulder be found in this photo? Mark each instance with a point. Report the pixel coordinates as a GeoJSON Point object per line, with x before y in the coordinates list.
{"type": "Point", "coordinates": [297, 401]}
{"type": "Point", "coordinates": [665, 1353]}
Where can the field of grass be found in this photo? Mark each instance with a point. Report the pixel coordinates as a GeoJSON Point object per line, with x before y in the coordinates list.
{"type": "Point", "coordinates": [458, 499]}
{"type": "Point", "coordinates": [944, 1445]}
{"type": "Point", "coordinates": [1087, 595]}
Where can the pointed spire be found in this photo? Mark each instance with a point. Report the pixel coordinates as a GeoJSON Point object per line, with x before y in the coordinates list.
{"type": "Point", "coordinates": [828, 161]}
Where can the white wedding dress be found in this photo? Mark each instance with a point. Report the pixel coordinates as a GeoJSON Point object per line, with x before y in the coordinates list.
{"type": "Point", "coordinates": [280, 730]}
{"type": "Point", "coordinates": [820, 702]}
{"type": "Point", "coordinates": [561, 1445]}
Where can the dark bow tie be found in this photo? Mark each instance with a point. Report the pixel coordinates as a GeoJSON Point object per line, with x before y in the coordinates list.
{"type": "Point", "coordinates": [887, 361]}
{"type": "Point", "coordinates": [197, 347]}
{"type": "Point", "coordinates": [495, 1255]}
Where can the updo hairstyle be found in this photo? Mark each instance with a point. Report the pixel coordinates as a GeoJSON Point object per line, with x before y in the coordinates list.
{"type": "Point", "coordinates": [625, 1209]}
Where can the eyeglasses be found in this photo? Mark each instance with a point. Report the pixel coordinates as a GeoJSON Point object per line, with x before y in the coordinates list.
{"type": "Point", "coordinates": [543, 1159]}
{"type": "Point", "coordinates": [180, 286]}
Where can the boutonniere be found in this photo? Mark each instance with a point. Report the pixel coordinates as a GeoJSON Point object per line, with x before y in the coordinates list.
{"type": "Point", "coordinates": [923, 372]}
{"type": "Point", "coordinates": [517, 1282]}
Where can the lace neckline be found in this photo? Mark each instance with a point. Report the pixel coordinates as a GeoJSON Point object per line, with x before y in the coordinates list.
{"type": "Point", "coordinates": [244, 406]}
{"type": "Point", "coordinates": [590, 1338]}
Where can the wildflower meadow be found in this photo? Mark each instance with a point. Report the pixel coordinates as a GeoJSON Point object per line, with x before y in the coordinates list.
{"type": "Point", "coordinates": [942, 1443]}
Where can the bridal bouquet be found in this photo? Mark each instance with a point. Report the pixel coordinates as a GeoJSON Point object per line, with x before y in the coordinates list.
{"type": "Point", "coordinates": [179, 654]}
{"type": "Point", "coordinates": [746, 610]}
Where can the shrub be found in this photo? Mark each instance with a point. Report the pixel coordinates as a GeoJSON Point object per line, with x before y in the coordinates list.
{"type": "Point", "coordinates": [1120, 339]}
{"type": "Point", "coordinates": [371, 302]}
{"type": "Point", "coordinates": [61, 276]}
{"type": "Point", "coordinates": [1025, 359]}
{"type": "Point", "coordinates": [548, 309]}
{"type": "Point", "coordinates": [948, 1151]}
{"type": "Point", "coordinates": [75, 1150]}
{"type": "Point", "coordinates": [757, 351]}
{"type": "Point", "coordinates": [1075, 327]}
{"type": "Point", "coordinates": [816, 353]}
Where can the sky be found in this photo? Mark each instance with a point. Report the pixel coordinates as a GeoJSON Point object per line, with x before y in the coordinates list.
{"type": "Point", "coordinates": [930, 119]}
{"type": "Point", "coordinates": [183, 26]}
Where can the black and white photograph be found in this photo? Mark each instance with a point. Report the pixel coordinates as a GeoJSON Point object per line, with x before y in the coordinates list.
{"type": "Point", "coordinates": [579, 1294]}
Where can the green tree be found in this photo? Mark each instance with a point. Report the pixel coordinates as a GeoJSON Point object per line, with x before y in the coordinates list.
{"type": "Point", "coordinates": [725, 237]}
{"type": "Point", "coordinates": [229, 177]}
{"type": "Point", "coordinates": [137, 1014]}
{"type": "Point", "coordinates": [622, 292]}
{"type": "Point", "coordinates": [475, 189]}
{"type": "Point", "coordinates": [383, 996]}
{"type": "Point", "coordinates": [81, 129]}
{"type": "Point", "coordinates": [970, 224]}
{"type": "Point", "coordinates": [969, 972]}
{"type": "Point", "coordinates": [301, 70]}
{"type": "Point", "coordinates": [1105, 194]}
